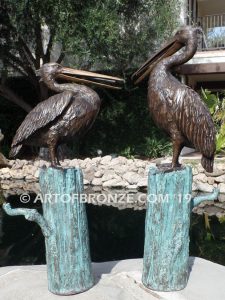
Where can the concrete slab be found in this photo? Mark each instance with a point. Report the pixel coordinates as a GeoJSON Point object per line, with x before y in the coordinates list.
{"type": "Point", "coordinates": [117, 280]}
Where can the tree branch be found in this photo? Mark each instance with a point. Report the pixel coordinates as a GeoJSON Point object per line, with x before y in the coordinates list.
{"type": "Point", "coordinates": [27, 70]}
{"type": "Point", "coordinates": [14, 66]}
{"type": "Point", "coordinates": [60, 58]}
{"type": "Point", "coordinates": [39, 52]}
{"type": "Point", "coordinates": [15, 60]}
{"type": "Point", "coordinates": [27, 51]}
{"type": "Point", "coordinates": [49, 47]}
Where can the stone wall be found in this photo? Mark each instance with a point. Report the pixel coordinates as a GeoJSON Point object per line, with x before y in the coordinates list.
{"type": "Point", "coordinates": [107, 175]}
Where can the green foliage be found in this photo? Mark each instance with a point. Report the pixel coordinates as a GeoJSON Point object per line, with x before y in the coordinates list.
{"type": "Point", "coordinates": [120, 34]}
{"type": "Point", "coordinates": [208, 243]}
{"type": "Point", "coordinates": [156, 147]}
{"type": "Point", "coordinates": [222, 219]}
{"type": "Point", "coordinates": [128, 152]}
{"type": "Point", "coordinates": [96, 34]}
{"type": "Point", "coordinates": [216, 105]}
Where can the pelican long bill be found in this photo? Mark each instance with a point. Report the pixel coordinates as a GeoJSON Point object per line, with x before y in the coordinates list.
{"type": "Point", "coordinates": [167, 50]}
{"type": "Point", "coordinates": [87, 77]}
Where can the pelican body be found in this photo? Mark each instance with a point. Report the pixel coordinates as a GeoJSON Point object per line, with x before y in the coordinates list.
{"type": "Point", "coordinates": [68, 114]}
{"type": "Point", "coordinates": [175, 107]}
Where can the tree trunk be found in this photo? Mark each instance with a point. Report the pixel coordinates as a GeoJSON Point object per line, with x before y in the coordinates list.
{"type": "Point", "coordinates": [167, 224]}
{"type": "Point", "coordinates": [67, 247]}
{"type": "Point", "coordinates": [169, 205]}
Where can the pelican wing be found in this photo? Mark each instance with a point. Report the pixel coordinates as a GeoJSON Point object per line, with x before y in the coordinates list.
{"type": "Point", "coordinates": [44, 113]}
{"type": "Point", "coordinates": [195, 120]}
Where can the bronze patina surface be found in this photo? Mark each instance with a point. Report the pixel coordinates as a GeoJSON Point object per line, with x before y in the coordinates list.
{"type": "Point", "coordinates": [175, 107]}
{"type": "Point", "coordinates": [66, 115]}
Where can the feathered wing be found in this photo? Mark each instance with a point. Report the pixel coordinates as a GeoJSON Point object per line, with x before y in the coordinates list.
{"type": "Point", "coordinates": [44, 113]}
{"type": "Point", "coordinates": [195, 121]}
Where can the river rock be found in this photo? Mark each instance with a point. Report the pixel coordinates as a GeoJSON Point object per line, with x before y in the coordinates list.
{"type": "Point", "coordinates": [18, 165]}
{"type": "Point", "coordinates": [141, 171]}
{"type": "Point", "coordinates": [132, 177]}
{"type": "Point", "coordinates": [5, 176]}
{"type": "Point", "coordinates": [97, 181]}
{"type": "Point", "coordinates": [36, 174]}
{"type": "Point", "coordinates": [106, 159]}
{"type": "Point", "coordinates": [143, 182]}
{"type": "Point", "coordinates": [119, 172]}
{"type": "Point", "coordinates": [211, 180]}
{"type": "Point", "coordinates": [110, 174]}
{"type": "Point", "coordinates": [140, 163]}
{"type": "Point", "coordinates": [98, 174]}
{"type": "Point", "coordinates": [89, 173]}
{"type": "Point", "coordinates": [221, 166]}
{"type": "Point", "coordinates": [30, 178]}
{"type": "Point", "coordinates": [114, 162]}
{"type": "Point", "coordinates": [122, 160]}
{"type": "Point", "coordinates": [5, 171]}
{"type": "Point", "coordinates": [121, 169]}
{"type": "Point", "coordinates": [36, 163]}
{"type": "Point", "coordinates": [220, 179]}
{"type": "Point", "coordinates": [204, 187]}
{"type": "Point", "coordinates": [114, 183]}
{"type": "Point", "coordinates": [11, 162]}
{"type": "Point", "coordinates": [86, 182]}
{"type": "Point", "coordinates": [43, 163]}
{"type": "Point", "coordinates": [194, 171]}
{"type": "Point", "coordinates": [96, 159]}
{"type": "Point", "coordinates": [200, 169]}
{"type": "Point", "coordinates": [15, 174]}
{"type": "Point", "coordinates": [194, 186]}
{"type": "Point", "coordinates": [132, 187]}
{"type": "Point", "coordinates": [200, 177]}
{"type": "Point", "coordinates": [73, 163]}
{"type": "Point", "coordinates": [221, 187]}
{"type": "Point", "coordinates": [216, 172]}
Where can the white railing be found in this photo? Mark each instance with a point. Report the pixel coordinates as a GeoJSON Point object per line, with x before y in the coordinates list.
{"type": "Point", "coordinates": [214, 31]}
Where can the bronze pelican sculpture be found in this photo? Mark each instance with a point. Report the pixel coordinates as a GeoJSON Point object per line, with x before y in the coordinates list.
{"type": "Point", "coordinates": [175, 107]}
{"type": "Point", "coordinates": [67, 114]}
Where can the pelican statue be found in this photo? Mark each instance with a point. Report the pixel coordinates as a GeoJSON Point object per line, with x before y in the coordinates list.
{"type": "Point", "coordinates": [175, 107]}
{"type": "Point", "coordinates": [69, 113]}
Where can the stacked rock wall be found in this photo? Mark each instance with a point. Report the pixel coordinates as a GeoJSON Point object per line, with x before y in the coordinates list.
{"type": "Point", "coordinates": [122, 177]}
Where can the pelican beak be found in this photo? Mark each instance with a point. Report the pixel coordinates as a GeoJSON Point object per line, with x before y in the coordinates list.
{"type": "Point", "coordinates": [167, 50]}
{"type": "Point", "coordinates": [86, 77]}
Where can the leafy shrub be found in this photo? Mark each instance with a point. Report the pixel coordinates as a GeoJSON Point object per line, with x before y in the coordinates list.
{"type": "Point", "coordinates": [156, 147]}
{"type": "Point", "coordinates": [216, 105]}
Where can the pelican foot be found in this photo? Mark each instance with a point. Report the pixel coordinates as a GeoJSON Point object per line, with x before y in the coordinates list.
{"type": "Point", "coordinates": [57, 167]}
{"type": "Point", "coordinates": [168, 167]}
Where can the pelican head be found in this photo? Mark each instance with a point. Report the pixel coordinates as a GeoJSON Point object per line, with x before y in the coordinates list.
{"type": "Point", "coordinates": [185, 35]}
{"type": "Point", "coordinates": [52, 71]}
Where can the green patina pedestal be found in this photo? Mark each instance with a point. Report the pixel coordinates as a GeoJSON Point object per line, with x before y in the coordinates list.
{"type": "Point", "coordinates": [166, 250]}
{"type": "Point", "coordinates": [64, 225]}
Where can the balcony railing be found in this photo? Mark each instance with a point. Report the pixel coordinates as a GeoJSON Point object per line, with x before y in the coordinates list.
{"type": "Point", "coordinates": [214, 32]}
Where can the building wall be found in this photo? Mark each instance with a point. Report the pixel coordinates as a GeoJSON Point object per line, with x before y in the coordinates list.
{"type": "Point", "coordinates": [210, 7]}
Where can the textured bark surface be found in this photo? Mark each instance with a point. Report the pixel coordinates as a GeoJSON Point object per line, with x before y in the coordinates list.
{"type": "Point", "coordinates": [67, 247]}
{"type": "Point", "coordinates": [167, 229]}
